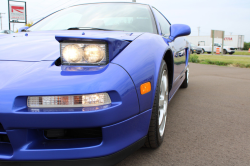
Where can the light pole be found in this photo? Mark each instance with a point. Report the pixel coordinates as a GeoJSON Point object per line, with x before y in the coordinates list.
{"type": "Point", "coordinates": [1, 20]}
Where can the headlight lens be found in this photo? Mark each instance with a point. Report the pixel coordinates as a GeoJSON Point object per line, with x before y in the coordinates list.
{"type": "Point", "coordinates": [72, 53]}
{"type": "Point", "coordinates": [89, 100]}
{"type": "Point", "coordinates": [84, 53]}
{"type": "Point", "coordinates": [93, 54]}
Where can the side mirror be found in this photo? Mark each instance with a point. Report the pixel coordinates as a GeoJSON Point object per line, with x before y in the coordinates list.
{"type": "Point", "coordinates": [177, 30]}
{"type": "Point", "coordinates": [22, 29]}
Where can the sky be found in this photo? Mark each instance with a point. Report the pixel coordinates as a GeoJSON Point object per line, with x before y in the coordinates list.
{"type": "Point", "coordinates": [231, 16]}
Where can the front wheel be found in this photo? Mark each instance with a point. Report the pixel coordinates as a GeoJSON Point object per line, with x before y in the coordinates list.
{"type": "Point", "coordinates": [224, 51]}
{"type": "Point", "coordinates": [185, 82]}
{"type": "Point", "coordinates": [159, 112]}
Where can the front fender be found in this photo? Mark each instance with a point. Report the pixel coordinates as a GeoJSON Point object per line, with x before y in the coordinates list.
{"type": "Point", "coordinates": [142, 60]}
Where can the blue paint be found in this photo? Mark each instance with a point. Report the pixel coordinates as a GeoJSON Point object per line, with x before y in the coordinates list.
{"type": "Point", "coordinates": [41, 45]}
{"type": "Point", "coordinates": [27, 146]}
{"type": "Point", "coordinates": [177, 30]}
{"type": "Point", "coordinates": [115, 45]}
{"type": "Point", "coordinates": [28, 68]}
{"type": "Point", "coordinates": [23, 28]}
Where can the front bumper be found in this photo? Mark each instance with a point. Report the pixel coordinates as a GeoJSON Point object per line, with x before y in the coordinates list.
{"type": "Point", "coordinates": [31, 145]}
{"type": "Point", "coordinates": [231, 51]}
{"type": "Point", "coordinates": [101, 161]}
{"type": "Point", "coordinates": [196, 51]}
{"type": "Point", "coordinates": [120, 123]}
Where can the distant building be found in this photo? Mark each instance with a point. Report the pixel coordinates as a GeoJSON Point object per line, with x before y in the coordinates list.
{"type": "Point", "coordinates": [236, 41]}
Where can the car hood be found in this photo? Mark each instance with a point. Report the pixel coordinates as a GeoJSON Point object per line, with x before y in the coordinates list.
{"type": "Point", "coordinates": [42, 45]}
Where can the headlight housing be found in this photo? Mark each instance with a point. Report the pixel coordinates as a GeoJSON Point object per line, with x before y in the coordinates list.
{"type": "Point", "coordinates": [88, 100]}
{"type": "Point", "coordinates": [84, 53]}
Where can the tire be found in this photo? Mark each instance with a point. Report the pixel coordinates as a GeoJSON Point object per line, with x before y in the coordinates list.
{"type": "Point", "coordinates": [185, 82]}
{"type": "Point", "coordinates": [209, 52]}
{"type": "Point", "coordinates": [202, 51]}
{"type": "Point", "coordinates": [198, 53]}
{"type": "Point", "coordinates": [159, 112]}
{"type": "Point", "coordinates": [231, 53]}
{"type": "Point", "coordinates": [224, 51]}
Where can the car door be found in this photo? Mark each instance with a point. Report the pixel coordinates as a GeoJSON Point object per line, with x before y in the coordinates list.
{"type": "Point", "coordinates": [178, 47]}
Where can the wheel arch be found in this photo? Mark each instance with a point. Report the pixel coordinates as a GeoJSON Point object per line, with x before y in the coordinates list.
{"type": "Point", "coordinates": [168, 58]}
{"type": "Point", "coordinates": [142, 60]}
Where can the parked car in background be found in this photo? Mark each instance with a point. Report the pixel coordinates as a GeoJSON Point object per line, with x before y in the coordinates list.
{"type": "Point", "coordinates": [90, 82]}
{"type": "Point", "coordinates": [196, 49]}
{"type": "Point", "coordinates": [226, 49]}
{"type": "Point", "coordinates": [6, 32]}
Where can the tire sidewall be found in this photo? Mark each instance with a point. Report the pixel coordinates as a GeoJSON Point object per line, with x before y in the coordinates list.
{"type": "Point", "coordinates": [185, 82]}
{"type": "Point", "coordinates": [224, 51]}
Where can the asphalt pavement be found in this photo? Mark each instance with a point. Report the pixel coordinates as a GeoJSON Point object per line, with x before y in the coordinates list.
{"type": "Point", "coordinates": [208, 123]}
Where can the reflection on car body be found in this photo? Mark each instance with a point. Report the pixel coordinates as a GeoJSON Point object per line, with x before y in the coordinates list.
{"type": "Point", "coordinates": [90, 82]}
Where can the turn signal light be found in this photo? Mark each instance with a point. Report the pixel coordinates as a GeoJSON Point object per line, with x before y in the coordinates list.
{"type": "Point", "coordinates": [145, 88]}
{"type": "Point", "coordinates": [88, 100]}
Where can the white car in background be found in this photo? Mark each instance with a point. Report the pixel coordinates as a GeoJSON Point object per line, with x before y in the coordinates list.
{"type": "Point", "coordinates": [6, 32]}
{"type": "Point", "coordinates": [226, 49]}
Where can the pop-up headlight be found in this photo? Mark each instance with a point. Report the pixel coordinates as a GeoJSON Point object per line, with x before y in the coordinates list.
{"type": "Point", "coordinates": [87, 53]}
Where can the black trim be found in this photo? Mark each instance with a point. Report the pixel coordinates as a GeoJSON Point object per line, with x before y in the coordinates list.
{"type": "Point", "coordinates": [154, 17]}
{"type": "Point", "coordinates": [101, 161]}
{"type": "Point", "coordinates": [166, 36]}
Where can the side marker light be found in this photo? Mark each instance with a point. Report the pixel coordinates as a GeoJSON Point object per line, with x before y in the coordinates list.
{"type": "Point", "coordinates": [145, 88]}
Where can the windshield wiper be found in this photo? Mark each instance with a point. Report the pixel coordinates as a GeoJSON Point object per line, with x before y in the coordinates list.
{"type": "Point", "coordinates": [93, 28]}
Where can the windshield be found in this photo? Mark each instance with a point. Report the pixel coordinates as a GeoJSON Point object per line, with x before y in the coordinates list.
{"type": "Point", "coordinates": [115, 16]}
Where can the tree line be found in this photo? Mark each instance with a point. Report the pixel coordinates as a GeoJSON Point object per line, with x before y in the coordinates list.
{"type": "Point", "coordinates": [246, 45]}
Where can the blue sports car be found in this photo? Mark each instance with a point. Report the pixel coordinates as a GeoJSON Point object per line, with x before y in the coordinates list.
{"type": "Point", "coordinates": [89, 84]}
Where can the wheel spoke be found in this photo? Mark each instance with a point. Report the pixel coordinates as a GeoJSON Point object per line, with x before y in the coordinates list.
{"type": "Point", "coordinates": [163, 103]}
{"type": "Point", "coordinates": [161, 116]}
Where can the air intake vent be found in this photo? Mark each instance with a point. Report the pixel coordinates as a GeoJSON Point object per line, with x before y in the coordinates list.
{"type": "Point", "coordinates": [4, 138]}
{"type": "Point", "coordinates": [1, 128]}
{"type": "Point", "coordinates": [73, 133]}
{"type": "Point", "coordinates": [5, 146]}
{"type": "Point", "coordinates": [3, 135]}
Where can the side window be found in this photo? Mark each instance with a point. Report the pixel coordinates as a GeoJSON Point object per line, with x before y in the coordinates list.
{"type": "Point", "coordinates": [164, 24]}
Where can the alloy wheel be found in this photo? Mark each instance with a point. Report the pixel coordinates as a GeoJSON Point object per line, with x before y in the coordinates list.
{"type": "Point", "coordinates": [163, 103]}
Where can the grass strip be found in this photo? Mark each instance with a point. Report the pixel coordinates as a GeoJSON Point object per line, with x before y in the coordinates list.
{"type": "Point", "coordinates": [241, 53]}
{"type": "Point", "coordinates": [220, 60]}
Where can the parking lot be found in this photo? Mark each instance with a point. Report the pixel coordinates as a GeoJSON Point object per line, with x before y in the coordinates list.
{"type": "Point", "coordinates": [208, 123]}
